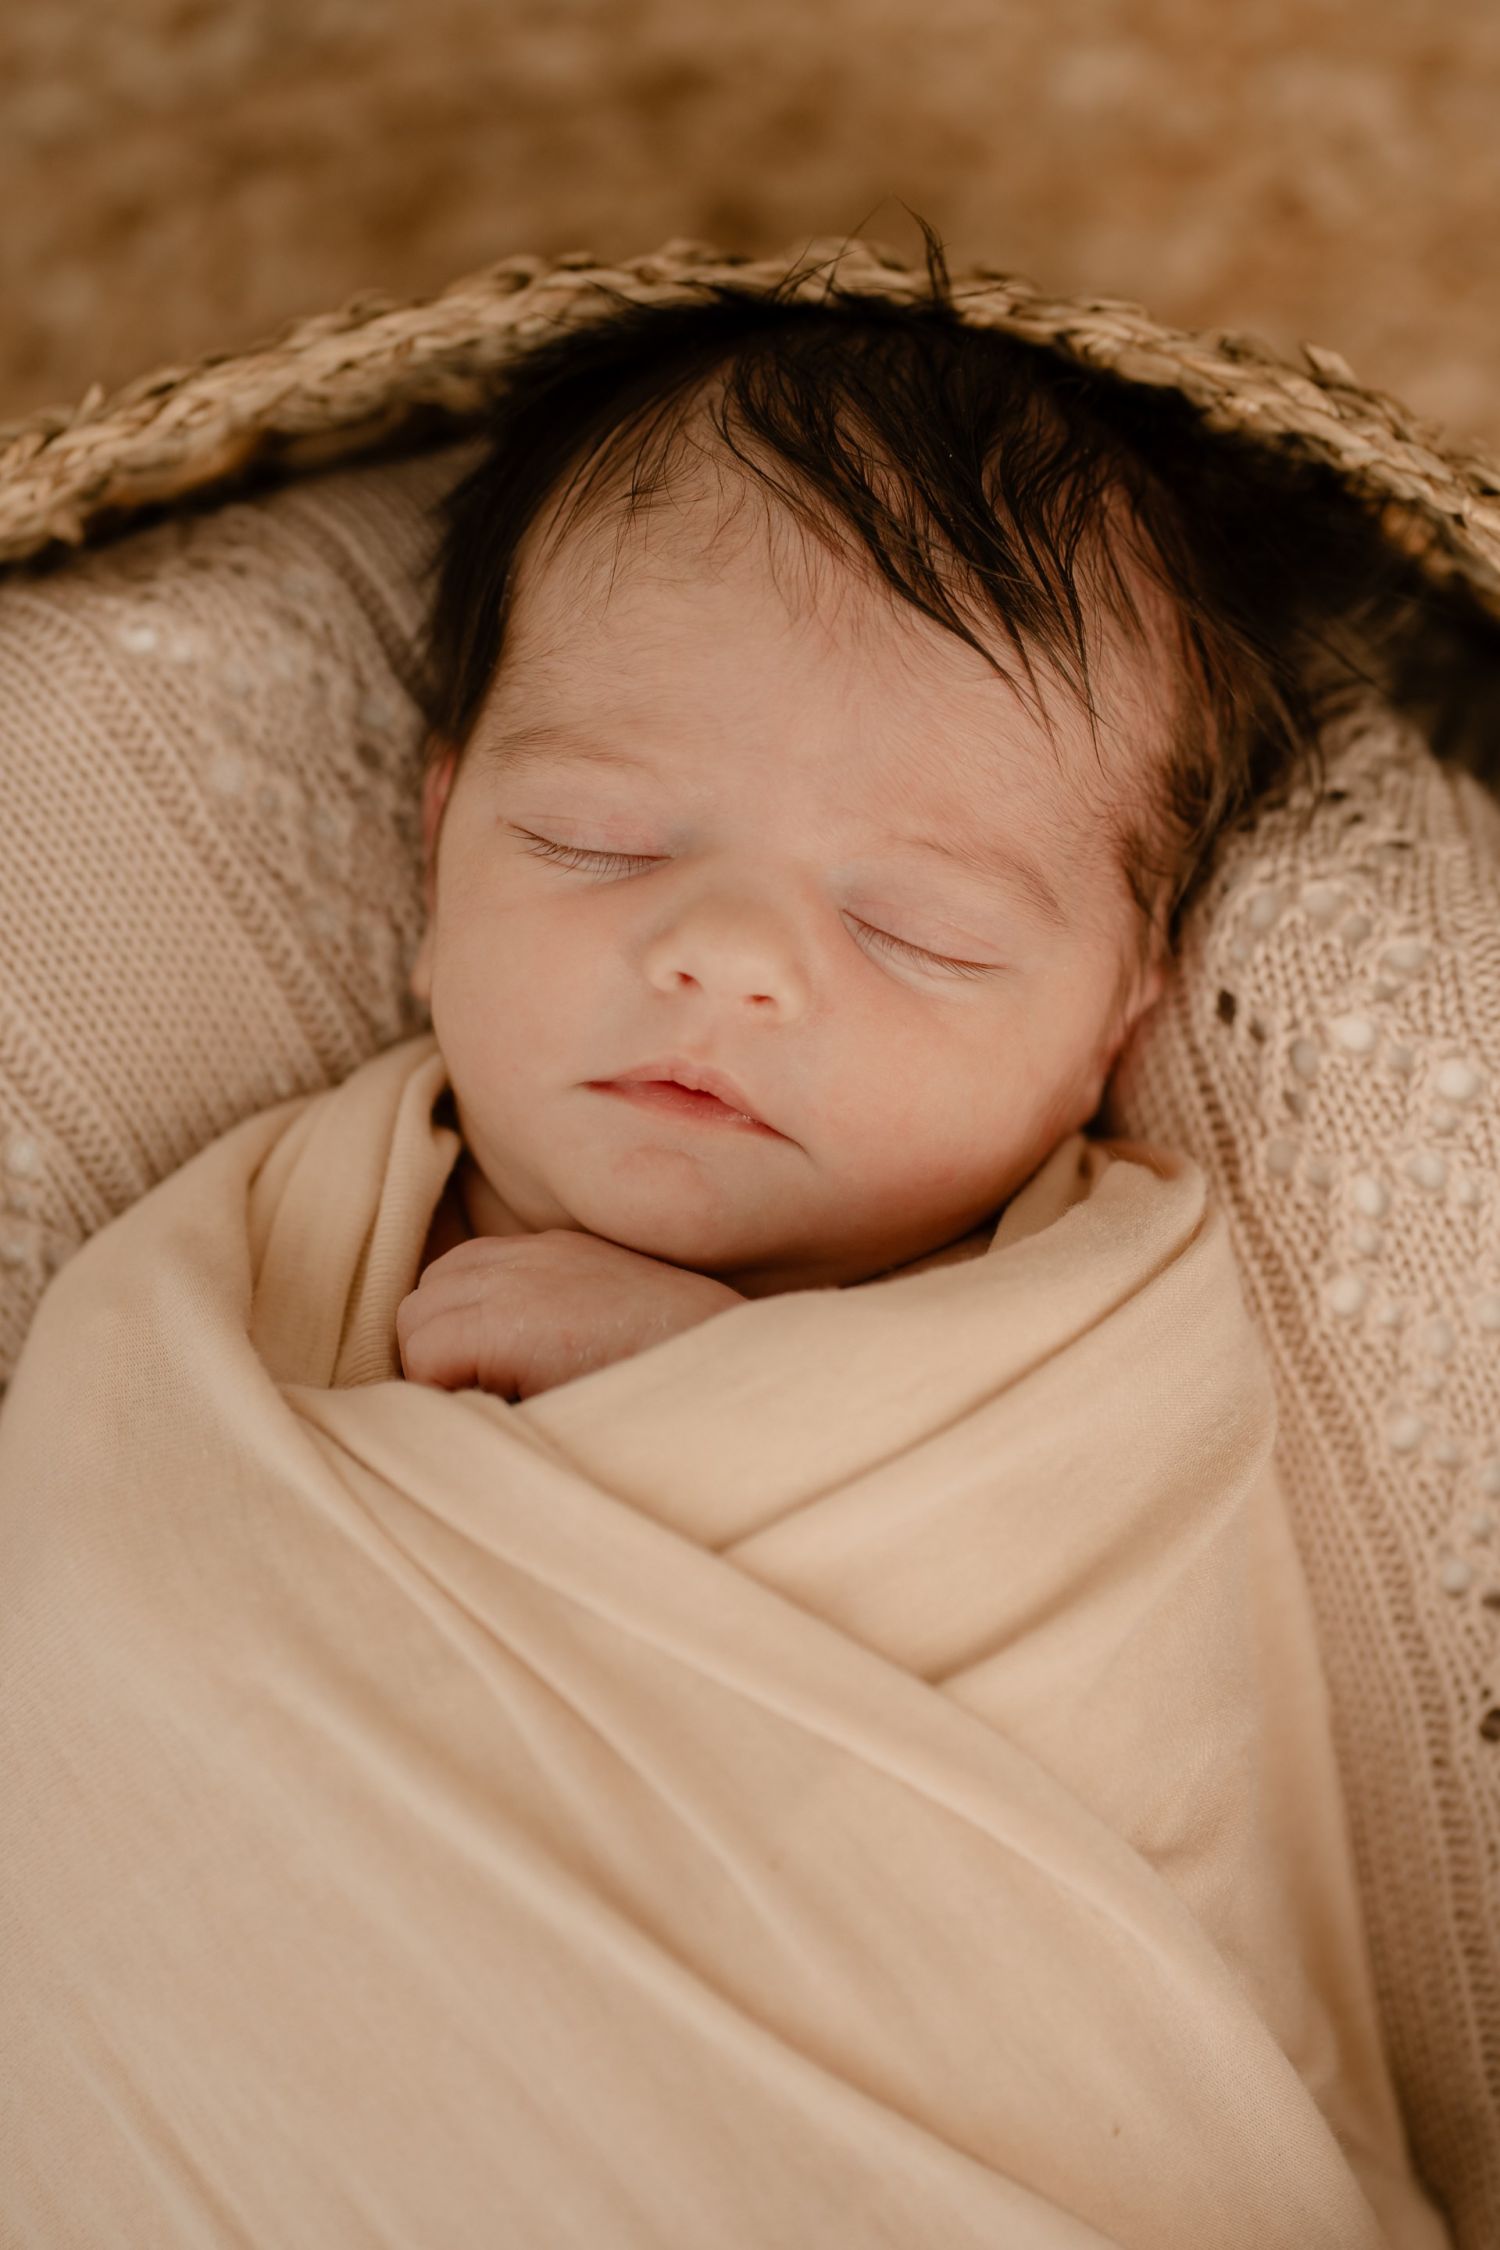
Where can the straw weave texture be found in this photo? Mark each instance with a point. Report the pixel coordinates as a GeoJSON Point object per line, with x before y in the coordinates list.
{"type": "Point", "coordinates": [351, 381]}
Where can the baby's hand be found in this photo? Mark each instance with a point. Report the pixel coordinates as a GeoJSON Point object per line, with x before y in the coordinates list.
{"type": "Point", "coordinates": [518, 1313]}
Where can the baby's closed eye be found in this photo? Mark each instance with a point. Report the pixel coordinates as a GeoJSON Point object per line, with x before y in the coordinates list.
{"type": "Point", "coordinates": [571, 855]}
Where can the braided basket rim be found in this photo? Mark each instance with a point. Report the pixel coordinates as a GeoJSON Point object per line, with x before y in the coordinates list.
{"type": "Point", "coordinates": [379, 372]}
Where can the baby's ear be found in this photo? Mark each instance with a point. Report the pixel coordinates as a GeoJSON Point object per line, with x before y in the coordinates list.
{"type": "Point", "coordinates": [439, 764]}
{"type": "Point", "coordinates": [1141, 999]}
{"type": "Point", "coordinates": [1153, 985]}
{"type": "Point", "coordinates": [440, 761]}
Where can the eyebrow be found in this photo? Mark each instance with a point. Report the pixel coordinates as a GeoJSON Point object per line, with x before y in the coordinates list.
{"type": "Point", "coordinates": [525, 747]}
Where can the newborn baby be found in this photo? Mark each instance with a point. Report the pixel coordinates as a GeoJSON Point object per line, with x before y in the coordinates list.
{"type": "Point", "coordinates": [818, 694]}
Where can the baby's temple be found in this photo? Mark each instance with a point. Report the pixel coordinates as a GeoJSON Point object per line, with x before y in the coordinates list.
{"type": "Point", "coordinates": [748, 1483]}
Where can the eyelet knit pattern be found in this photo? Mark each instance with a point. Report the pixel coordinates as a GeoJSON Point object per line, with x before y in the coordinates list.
{"type": "Point", "coordinates": [1329, 1051]}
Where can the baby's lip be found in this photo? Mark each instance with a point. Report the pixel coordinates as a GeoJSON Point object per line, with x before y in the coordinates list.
{"type": "Point", "coordinates": [698, 1078]}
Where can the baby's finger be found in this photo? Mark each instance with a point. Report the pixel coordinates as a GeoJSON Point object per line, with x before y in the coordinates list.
{"type": "Point", "coordinates": [441, 1288]}
{"type": "Point", "coordinates": [453, 1347]}
{"type": "Point", "coordinates": [485, 1252]}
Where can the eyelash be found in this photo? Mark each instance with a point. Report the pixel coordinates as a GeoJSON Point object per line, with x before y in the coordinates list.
{"type": "Point", "coordinates": [570, 855]}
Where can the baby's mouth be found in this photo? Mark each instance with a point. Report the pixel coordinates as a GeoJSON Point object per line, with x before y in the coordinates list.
{"type": "Point", "coordinates": [666, 1096]}
{"type": "Point", "coordinates": [688, 1093]}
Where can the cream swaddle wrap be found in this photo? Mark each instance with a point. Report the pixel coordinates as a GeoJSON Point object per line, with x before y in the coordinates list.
{"type": "Point", "coordinates": [855, 1773]}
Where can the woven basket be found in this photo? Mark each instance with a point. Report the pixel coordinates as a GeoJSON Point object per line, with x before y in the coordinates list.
{"type": "Point", "coordinates": [378, 374]}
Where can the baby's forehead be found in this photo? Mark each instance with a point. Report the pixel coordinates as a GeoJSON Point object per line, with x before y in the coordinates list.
{"type": "Point", "coordinates": [944, 725]}
{"type": "Point", "coordinates": [947, 763]}
{"type": "Point", "coordinates": [624, 557]}
{"type": "Point", "coordinates": [645, 590]}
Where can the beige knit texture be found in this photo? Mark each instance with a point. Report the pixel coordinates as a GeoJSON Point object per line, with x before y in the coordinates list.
{"type": "Point", "coordinates": [1330, 1053]}
{"type": "Point", "coordinates": [211, 884]}
{"type": "Point", "coordinates": [212, 755]}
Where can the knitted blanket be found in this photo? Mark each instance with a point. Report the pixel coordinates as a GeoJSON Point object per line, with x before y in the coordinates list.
{"type": "Point", "coordinates": [857, 1772]}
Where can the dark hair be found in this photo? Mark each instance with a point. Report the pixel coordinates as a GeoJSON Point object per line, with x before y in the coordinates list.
{"type": "Point", "coordinates": [975, 470]}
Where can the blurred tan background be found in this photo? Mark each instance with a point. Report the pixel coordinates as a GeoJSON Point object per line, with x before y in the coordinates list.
{"type": "Point", "coordinates": [187, 176]}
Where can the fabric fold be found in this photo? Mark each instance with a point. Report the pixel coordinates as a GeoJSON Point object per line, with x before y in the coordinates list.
{"type": "Point", "coordinates": [856, 1772]}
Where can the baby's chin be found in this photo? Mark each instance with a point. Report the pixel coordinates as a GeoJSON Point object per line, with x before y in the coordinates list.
{"type": "Point", "coordinates": [713, 1218]}
{"type": "Point", "coordinates": [756, 1261]}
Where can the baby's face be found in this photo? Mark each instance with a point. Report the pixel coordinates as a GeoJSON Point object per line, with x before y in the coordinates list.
{"type": "Point", "coordinates": [787, 732]}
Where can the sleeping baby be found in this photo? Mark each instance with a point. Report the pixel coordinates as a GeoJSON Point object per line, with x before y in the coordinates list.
{"type": "Point", "coordinates": [861, 1773]}
{"type": "Point", "coordinates": [828, 710]}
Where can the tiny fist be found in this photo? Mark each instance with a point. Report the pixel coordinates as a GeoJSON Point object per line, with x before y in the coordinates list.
{"type": "Point", "coordinates": [518, 1315]}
